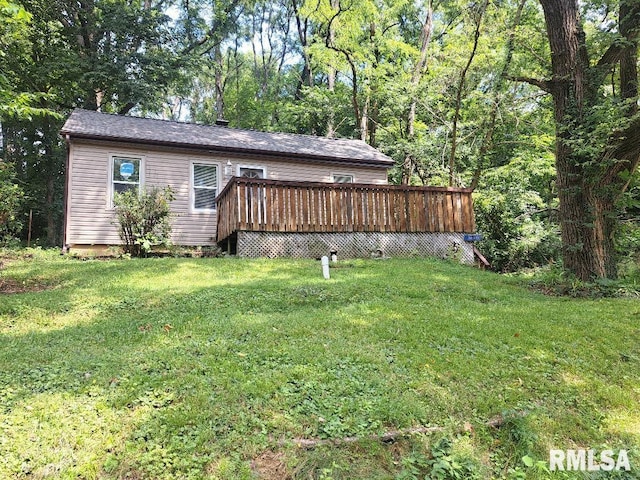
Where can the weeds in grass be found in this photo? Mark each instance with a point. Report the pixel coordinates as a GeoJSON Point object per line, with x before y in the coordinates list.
{"type": "Point", "coordinates": [441, 464]}
{"type": "Point", "coordinates": [553, 280]}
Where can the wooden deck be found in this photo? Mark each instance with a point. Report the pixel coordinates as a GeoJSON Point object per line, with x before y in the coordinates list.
{"type": "Point", "coordinates": [277, 206]}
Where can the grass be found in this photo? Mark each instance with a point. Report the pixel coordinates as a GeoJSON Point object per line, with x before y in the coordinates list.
{"type": "Point", "coordinates": [207, 368]}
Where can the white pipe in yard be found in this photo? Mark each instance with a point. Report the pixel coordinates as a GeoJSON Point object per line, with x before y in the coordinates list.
{"type": "Point", "coordinates": [325, 267]}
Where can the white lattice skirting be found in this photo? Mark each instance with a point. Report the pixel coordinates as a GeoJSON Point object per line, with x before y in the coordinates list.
{"type": "Point", "coordinates": [354, 245]}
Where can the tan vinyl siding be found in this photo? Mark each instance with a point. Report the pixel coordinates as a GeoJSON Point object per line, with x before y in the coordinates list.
{"type": "Point", "coordinates": [315, 172]}
{"type": "Point", "coordinates": [90, 219]}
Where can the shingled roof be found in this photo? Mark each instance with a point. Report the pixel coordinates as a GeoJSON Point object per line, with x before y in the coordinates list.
{"type": "Point", "coordinates": [101, 126]}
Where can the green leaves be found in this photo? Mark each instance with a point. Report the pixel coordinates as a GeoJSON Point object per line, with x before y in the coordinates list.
{"type": "Point", "coordinates": [515, 211]}
{"type": "Point", "coordinates": [15, 102]}
{"type": "Point", "coordinates": [144, 219]}
{"type": "Point", "coordinates": [11, 199]}
{"type": "Point", "coordinates": [443, 464]}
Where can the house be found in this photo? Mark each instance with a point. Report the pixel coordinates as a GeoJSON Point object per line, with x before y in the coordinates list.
{"type": "Point", "coordinates": [254, 193]}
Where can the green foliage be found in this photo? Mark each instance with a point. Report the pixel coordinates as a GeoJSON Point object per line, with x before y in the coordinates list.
{"type": "Point", "coordinates": [11, 200]}
{"type": "Point", "coordinates": [442, 464]}
{"type": "Point", "coordinates": [554, 280]}
{"type": "Point", "coordinates": [515, 213]}
{"type": "Point", "coordinates": [317, 105]}
{"type": "Point", "coordinates": [14, 46]}
{"type": "Point", "coordinates": [38, 158]}
{"type": "Point", "coordinates": [447, 466]}
{"type": "Point", "coordinates": [255, 54]}
{"type": "Point", "coordinates": [144, 219]}
{"type": "Point", "coordinates": [516, 444]}
{"type": "Point", "coordinates": [313, 67]}
{"type": "Point", "coordinates": [109, 54]}
{"type": "Point", "coordinates": [628, 247]}
{"type": "Point", "coordinates": [628, 232]}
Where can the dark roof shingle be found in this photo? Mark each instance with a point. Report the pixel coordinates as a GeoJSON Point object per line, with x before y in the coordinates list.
{"type": "Point", "coordinates": [96, 125]}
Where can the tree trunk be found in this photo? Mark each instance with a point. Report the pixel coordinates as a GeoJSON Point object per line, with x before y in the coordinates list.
{"type": "Point", "coordinates": [219, 82]}
{"type": "Point", "coordinates": [425, 39]}
{"type": "Point", "coordinates": [581, 252]}
{"type": "Point", "coordinates": [629, 59]}
{"type": "Point", "coordinates": [359, 113]}
{"type": "Point", "coordinates": [52, 228]}
{"type": "Point", "coordinates": [458, 104]}
{"type": "Point", "coordinates": [364, 119]}
{"type": "Point", "coordinates": [53, 170]}
{"type": "Point", "coordinates": [487, 141]}
{"type": "Point", "coordinates": [331, 81]}
{"type": "Point", "coordinates": [604, 224]}
{"type": "Point", "coordinates": [374, 115]}
{"type": "Point", "coordinates": [331, 121]}
{"type": "Point", "coordinates": [588, 194]}
{"type": "Point", "coordinates": [306, 77]}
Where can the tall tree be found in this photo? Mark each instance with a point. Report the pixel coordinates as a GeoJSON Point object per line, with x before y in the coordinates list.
{"type": "Point", "coordinates": [15, 24]}
{"type": "Point", "coordinates": [416, 76]}
{"type": "Point", "coordinates": [597, 129]}
{"type": "Point", "coordinates": [123, 49]}
{"type": "Point", "coordinates": [16, 102]}
{"type": "Point", "coordinates": [498, 94]}
{"type": "Point", "coordinates": [113, 55]}
{"type": "Point", "coordinates": [477, 15]}
{"type": "Point", "coordinates": [31, 119]}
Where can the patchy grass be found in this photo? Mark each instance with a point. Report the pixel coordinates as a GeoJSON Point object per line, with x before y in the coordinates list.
{"type": "Point", "coordinates": [208, 368]}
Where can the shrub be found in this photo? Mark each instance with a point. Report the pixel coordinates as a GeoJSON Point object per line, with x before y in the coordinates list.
{"type": "Point", "coordinates": [11, 199]}
{"type": "Point", "coordinates": [144, 219]}
{"type": "Point", "coordinates": [515, 210]}
{"type": "Point", "coordinates": [442, 464]}
{"type": "Point", "coordinates": [516, 234]}
{"type": "Point", "coordinates": [628, 249]}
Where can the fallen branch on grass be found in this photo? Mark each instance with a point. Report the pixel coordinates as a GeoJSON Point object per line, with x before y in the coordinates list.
{"type": "Point", "coordinates": [390, 436]}
{"type": "Point", "coordinates": [384, 437]}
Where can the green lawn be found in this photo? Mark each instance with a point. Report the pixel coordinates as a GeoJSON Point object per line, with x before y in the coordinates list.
{"type": "Point", "coordinates": [207, 368]}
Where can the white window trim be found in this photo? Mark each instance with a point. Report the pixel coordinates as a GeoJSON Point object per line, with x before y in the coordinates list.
{"type": "Point", "coordinates": [255, 167]}
{"type": "Point", "coordinates": [110, 190]}
{"type": "Point", "coordinates": [343, 174]}
{"type": "Point", "coordinates": [192, 194]}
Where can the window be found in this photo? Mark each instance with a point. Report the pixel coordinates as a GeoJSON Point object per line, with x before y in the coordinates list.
{"type": "Point", "coordinates": [125, 174]}
{"type": "Point", "coordinates": [205, 186]}
{"type": "Point", "coordinates": [342, 178]}
{"type": "Point", "coordinates": [251, 172]}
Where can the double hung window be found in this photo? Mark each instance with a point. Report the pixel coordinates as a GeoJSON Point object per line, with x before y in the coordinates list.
{"type": "Point", "coordinates": [205, 186]}
{"type": "Point", "coordinates": [126, 174]}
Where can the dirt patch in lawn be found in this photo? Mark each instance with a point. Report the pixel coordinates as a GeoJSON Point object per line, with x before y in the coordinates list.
{"type": "Point", "coordinates": [270, 466]}
{"type": "Point", "coordinates": [10, 286]}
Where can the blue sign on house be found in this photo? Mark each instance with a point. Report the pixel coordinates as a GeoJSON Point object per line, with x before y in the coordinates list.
{"type": "Point", "coordinates": [126, 169]}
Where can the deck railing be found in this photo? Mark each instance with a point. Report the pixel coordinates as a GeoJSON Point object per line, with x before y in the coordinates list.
{"type": "Point", "coordinates": [278, 206]}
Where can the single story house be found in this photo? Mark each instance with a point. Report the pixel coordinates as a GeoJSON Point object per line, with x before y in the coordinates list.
{"type": "Point", "coordinates": [254, 193]}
